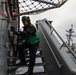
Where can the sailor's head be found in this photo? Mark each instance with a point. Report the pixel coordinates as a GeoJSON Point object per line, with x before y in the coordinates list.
{"type": "Point", "coordinates": [26, 20]}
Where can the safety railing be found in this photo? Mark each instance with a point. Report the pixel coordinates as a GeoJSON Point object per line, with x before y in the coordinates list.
{"type": "Point", "coordinates": [62, 53]}
{"type": "Point", "coordinates": [38, 25]}
{"type": "Point", "coordinates": [64, 44]}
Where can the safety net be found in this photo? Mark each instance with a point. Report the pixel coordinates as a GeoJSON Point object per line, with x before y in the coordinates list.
{"type": "Point", "coordinates": [38, 6]}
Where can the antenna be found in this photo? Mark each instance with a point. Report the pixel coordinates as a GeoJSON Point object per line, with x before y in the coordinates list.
{"type": "Point", "coordinates": [70, 35]}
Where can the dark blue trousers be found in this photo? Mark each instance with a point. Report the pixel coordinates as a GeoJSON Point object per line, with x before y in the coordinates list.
{"type": "Point", "coordinates": [32, 52]}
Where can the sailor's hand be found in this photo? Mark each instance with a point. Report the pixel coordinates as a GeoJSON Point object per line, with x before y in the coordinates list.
{"type": "Point", "coordinates": [12, 29]}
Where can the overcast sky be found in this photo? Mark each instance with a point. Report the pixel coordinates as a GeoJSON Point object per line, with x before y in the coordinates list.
{"type": "Point", "coordinates": [62, 18]}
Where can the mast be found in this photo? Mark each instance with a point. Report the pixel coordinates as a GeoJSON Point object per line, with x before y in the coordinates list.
{"type": "Point", "coordinates": [69, 36]}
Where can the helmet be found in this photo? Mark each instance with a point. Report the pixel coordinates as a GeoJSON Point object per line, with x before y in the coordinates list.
{"type": "Point", "coordinates": [25, 18]}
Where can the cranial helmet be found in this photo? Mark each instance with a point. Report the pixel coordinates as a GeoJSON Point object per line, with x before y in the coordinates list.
{"type": "Point", "coordinates": [25, 18]}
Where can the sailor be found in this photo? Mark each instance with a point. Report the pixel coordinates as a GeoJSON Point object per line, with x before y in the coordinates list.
{"type": "Point", "coordinates": [31, 37]}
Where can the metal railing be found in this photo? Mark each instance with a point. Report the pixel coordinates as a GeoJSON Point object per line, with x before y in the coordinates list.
{"type": "Point", "coordinates": [53, 30]}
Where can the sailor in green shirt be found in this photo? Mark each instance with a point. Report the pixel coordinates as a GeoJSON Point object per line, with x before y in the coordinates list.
{"type": "Point", "coordinates": [31, 37]}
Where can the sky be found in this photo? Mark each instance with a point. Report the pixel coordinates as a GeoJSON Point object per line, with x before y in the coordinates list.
{"type": "Point", "coordinates": [62, 18]}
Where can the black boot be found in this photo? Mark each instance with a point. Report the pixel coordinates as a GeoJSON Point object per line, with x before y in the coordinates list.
{"type": "Point", "coordinates": [28, 73]}
{"type": "Point", "coordinates": [21, 64]}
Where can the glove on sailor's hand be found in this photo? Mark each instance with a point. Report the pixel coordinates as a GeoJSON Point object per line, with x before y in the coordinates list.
{"type": "Point", "coordinates": [12, 29]}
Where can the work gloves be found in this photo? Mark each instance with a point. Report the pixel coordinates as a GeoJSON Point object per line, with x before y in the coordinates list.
{"type": "Point", "coordinates": [14, 31]}
{"type": "Point", "coordinates": [20, 33]}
